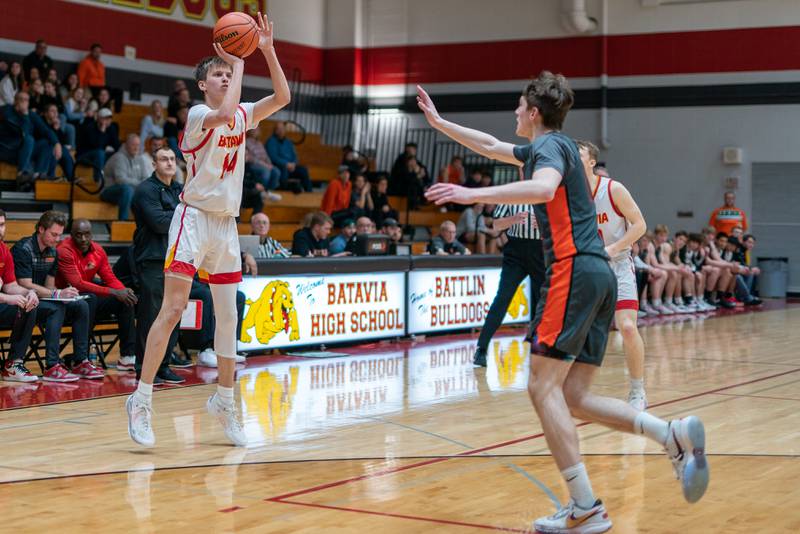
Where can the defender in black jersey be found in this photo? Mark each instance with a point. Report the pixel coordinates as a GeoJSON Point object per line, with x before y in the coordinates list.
{"type": "Point", "coordinates": [578, 299]}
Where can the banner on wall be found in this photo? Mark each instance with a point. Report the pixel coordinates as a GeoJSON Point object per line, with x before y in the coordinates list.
{"type": "Point", "coordinates": [313, 309]}
{"type": "Point", "coordinates": [206, 11]}
{"type": "Point", "coordinates": [449, 300]}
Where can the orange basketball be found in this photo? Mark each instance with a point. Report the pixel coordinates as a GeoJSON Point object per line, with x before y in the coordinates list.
{"type": "Point", "coordinates": [237, 33]}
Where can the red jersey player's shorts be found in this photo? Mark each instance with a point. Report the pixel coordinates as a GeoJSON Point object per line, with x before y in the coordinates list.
{"type": "Point", "coordinates": [204, 243]}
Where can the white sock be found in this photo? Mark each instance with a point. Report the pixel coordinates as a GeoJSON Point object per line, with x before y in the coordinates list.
{"type": "Point", "coordinates": [652, 427]}
{"type": "Point", "coordinates": [637, 384]}
{"type": "Point", "coordinates": [145, 391]}
{"type": "Point", "coordinates": [656, 302]}
{"type": "Point", "coordinates": [580, 489]}
{"type": "Point", "coordinates": [225, 394]}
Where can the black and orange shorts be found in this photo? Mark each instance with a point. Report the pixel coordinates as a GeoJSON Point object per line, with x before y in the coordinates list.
{"type": "Point", "coordinates": [574, 313]}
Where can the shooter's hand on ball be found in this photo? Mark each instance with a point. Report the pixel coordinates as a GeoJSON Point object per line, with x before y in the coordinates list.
{"type": "Point", "coordinates": [264, 32]}
{"type": "Point", "coordinates": [230, 59]}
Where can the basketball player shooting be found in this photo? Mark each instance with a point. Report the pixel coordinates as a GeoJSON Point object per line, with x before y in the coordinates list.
{"type": "Point", "coordinates": [203, 237]}
{"type": "Point", "coordinates": [577, 303]}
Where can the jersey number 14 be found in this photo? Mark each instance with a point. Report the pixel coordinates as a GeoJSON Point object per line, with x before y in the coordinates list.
{"type": "Point", "coordinates": [229, 165]}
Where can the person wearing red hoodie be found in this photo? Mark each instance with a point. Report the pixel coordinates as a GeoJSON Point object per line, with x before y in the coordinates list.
{"type": "Point", "coordinates": [80, 261]}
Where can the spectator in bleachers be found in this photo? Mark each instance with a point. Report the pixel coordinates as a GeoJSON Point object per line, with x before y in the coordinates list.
{"type": "Point", "coordinates": [737, 232]}
{"type": "Point", "coordinates": [663, 258]}
{"type": "Point", "coordinates": [400, 167]}
{"type": "Point", "coordinates": [360, 198]}
{"type": "Point", "coordinates": [392, 228]}
{"type": "Point", "coordinates": [267, 246]}
{"type": "Point", "coordinates": [727, 280]}
{"type": "Point", "coordinates": [102, 99]}
{"type": "Point", "coordinates": [80, 262]}
{"type": "Point", "coordinates": [51, 97]}
{"type": "Point", "coordinates": [380, 200]}
{"type": "Point", "coordinates": [489, 239]}
{"type": "Point", "coordinates": [445, 243]}
{"type": "Point", "coordinates": [92, 74]}
{"type": "Point", "coordinates": [152, 124]}
{"type": "Point", "coordinates": [735, 254]}
{"type": "Point", "coordinates": [454, 172]}
{"type": "Point", "coordinates": [351, 158]}
{"type": "Point", "coordinates": [340, 243]}
{"type": "Point", "coordinates": [68, 130]}
{"type": "Point", "coordinates": [31, 77]}
{"type": "Point", "coordinates": [173, 131]}
{"type": "Point", "coordinates": [37, 59]}
{"type": "Point", "coordinates": [411, 182]}
{"type": "Point", "coordinates": [36, 92]}
{"type": "Point", "coordinates": [11, 84]}
{"type": "Point", "coordinates": [336, 200]}
{"type": "Point", "coordinates": [100, 138]}
{"type": "Point", "coordinates": [123, 172]}
{"type": "Point", "coordinates": [60, 130]}
{"type": "Point", "coordinates": [751, 280]}
{"type": "Point", "coordinates": [26, 141]}
{"type": "Point", "coordinates": [312, 241]}
{"type": "Point", "coordinates": [180, 99]}
{"type": "Point", "coordinates": [682, 256]}
{"type": "Point", "coordinates": [694, 256]}
{"type": "Point", "coordinates": [258, 163]}
{"type": "Point", "coordinates": [70, 84]}
{"type": "Point", "coordinates": [17, 313]}
{"type": "Point", "coordinates": [283, 155]}
{"type": "Point", "coordinates": [153, 206]}
{"type": "Point", "coordinates": [467, 226]}
{"type": "Point", "coordinates": [52, 77]}
{"type": "Point", "coordinates": [474, 179]}
{"type": "Point", "coordinates": [36, 266]}
{"type": "Point", "coordinates": [658, 278]}
{"type": "Point", "coordinates": [724, 218]}
{"type": "Point", "coordinates": [364, 226]}
{"type": "Point", "coordinates": [76, 106]}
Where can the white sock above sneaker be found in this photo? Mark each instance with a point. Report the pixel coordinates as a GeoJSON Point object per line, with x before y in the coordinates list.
{"type": "Point", "coordinates": [580, 489]}
{"type": "Point", "coordinates": [225, 394]}
{"type": "Point", "coordinates": [144, 391]}
{"type": "Point", "coordinates": [637, 384]}
{"type": "Point", "coordinates": [652, 427]}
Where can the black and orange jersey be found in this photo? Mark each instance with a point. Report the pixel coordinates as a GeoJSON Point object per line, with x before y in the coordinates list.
{"type": "Point", "coordinates": [568, 223]}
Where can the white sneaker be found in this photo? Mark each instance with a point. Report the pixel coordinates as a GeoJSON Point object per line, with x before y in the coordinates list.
{"type": "Point", "coordinates": [705, 306]}
{"type": "Point", "coordinates": [126, 363]}
{"type": "Point", "coordinates": [637, 399]}
{"type": "Point", "coordinates": [573, 519]}
{"type": "Point", "coordinates": [139, 427]}
{"type": "Point", "coordinates": [685, 447]}
{"type": "Point", "coordinates": [228, 418]}
{"type": "Point", "coordinates": [239, 358]}
{"type": "Point", "coordinates": [273, 197]}
{"type": "Point", "coordinates": [207, 358]}
{"type": "Point", "coordinates": [675, 307]}
{"type": "Point", "coordinates": [664, 310]}
{"type": "Point", "coordinates": [649, 310]}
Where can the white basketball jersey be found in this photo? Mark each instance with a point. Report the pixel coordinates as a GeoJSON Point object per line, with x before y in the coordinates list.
{"type": "Point", "coordinates": [610, 221]}
{"type": "Point", "coordinates": [215, 160]}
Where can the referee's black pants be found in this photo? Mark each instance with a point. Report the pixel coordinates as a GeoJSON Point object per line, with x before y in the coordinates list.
{"type": "Point", "coordinates": [521, 258]}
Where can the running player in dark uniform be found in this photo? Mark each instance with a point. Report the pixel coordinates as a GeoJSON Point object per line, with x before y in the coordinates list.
{"type": "Point", "coordinates": [578, 300]}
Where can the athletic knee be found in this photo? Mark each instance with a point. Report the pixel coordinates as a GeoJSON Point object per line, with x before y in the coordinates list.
{"type": "Point", "coordinates": [171, 312]}
{"type": "Point", "coordinates": [628, 329]}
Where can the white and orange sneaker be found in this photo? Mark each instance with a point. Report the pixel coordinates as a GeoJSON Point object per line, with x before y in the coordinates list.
{"type": "Point", "coordinates": [572, 519]}
{"type": "Point", "coordinates": [15, 371]}
{"type": "Point", "coordinates": [686, 448]}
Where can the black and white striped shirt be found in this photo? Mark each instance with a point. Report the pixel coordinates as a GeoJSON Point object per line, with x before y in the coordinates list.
{"type": "Point", "coordinates": [528, 229]}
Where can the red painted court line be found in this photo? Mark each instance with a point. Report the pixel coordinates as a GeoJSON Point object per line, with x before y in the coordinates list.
{"type": "Point", "coordinates": [759, 397]}
{"type": "Point", "coordinates": [334, 484]}
{"type": "Point", "coordinates": [403, 516]}
{"type": "Point", "coordinates": [231, 509]}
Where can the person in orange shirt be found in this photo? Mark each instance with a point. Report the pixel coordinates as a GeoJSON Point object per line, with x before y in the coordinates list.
{"type": "Point", "coordinates": [336, 201]}
{"type": "Point", "coordinates": [725, 218]}
{"type": "Point", "coordinates": [454, 173]}
{"type": "Point", "coordinates": [92, 71]}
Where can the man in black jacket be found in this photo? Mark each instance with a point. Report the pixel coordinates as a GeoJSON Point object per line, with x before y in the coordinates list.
{"type": "Point", "coordinates": [154, 203]}
{"type": "Point", "coordinates": [26, 140]}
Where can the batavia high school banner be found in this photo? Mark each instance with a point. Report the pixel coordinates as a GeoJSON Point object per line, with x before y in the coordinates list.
{"type": "Point", "coordinates": [207, 11]}
{"type": "Point", "coordinates": [313, 309]}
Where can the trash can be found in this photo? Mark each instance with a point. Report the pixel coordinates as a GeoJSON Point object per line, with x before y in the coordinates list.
{"type": "Point", "coordinates": [774, 277]}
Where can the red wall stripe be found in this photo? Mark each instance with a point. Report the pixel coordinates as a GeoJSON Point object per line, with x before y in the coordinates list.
{"type": "Point", "coordinates": [737, 50]}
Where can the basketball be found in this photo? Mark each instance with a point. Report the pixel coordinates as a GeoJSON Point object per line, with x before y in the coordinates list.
{"type": "Point", "coordinates": [237, 33]}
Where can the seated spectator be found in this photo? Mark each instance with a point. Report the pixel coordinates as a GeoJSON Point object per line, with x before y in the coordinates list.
{"type": "Point", "coordinates": [258, 163]}
{"type": "Point", "coordinates": [51, 97]}
{"type": "Point", "coordinates": [727, 277]}
{"type": "Point", "coordinates": [32, 76]}
{"type": "Point", "coordinates": [380, 201]}
{"type": "Point", "coordinates": [37, 59]}
{"type": "Point", "coordinates": [267, 246]}
{"type": "Point", "coordinates": [724, 218]}
{"type": "Point", "coordinates": [26, 141]}
{"type": "Point", "coordinates": [340, 243]}
{"type": "Point", "coordinates": [360, 198]}
{"type": "Point", "coordinates": [283, 155]}
{"type": "Point", "coordinates": [336, 200]}
{"type": "Point", "coordinates": [445, 243]}
{"type": "Point", "coordinates": [179, 99]}
{"type": "Point", "coordinates": [657, 277]}
{"type": "Point", "coordinates": [488, 239]}
{"type": "Point", "coordinates": [392, 228]}
{"type": "Point", "coordinates": [694, 256]}
{"type": "Point", "coordinates": [676, 274]}
{"type": "Point", "coordinates": [364, 226]}
{"type": "Point", "coordinates": [251, 193]}
{"type": "Point", "coordinates": [751, 280]}
{"type": "Point", "coordinates": [36, 266]}
{"type": "Point", "coordinates": [68, 130]}
{"type": "Point", "coordinates": [53, 121]}
{"type": "Point", "coordinates": [99, 139]}
{"type": "Point", "coordinates": [173, 131]}
{"type": "Point", "coordinates": [11, 84]}
{"type": "Point", "coordinates": [36, 92]}
{"type": "Point", "coordinates": [356, 163]}
{"type": "Point", "coordinates": [734, 253]}
{"type": "Point", "coordinates": [92, 74]}
{"type": "Point", "coordinates": [70, 84]}
{"type": "Point", "coordinates": [411, 182]}
{"type": "Point", "coordinates": [17, 313]}
{"type": "Point", "coordinates": [399, 169]}
{"type": "Point", "coordinates": [737, 232]}
{"type": "Point", "coordinates": [153, 206]}
{"type": "Point", "coordinates": [689, 256]}
{"type": "Point", "coordinates": [152, 124]}
{"type": "Point", "coordinates": [76, 106]}
{"type": "Point", "coordinates": [123, 172]}
{"type": "Point", "coordinates": [312, 241]}
{"type": "Point", "coordinates": [80, 261]}
{"type": "Point", "coordinates": [102, 100]}
{"type": "Point", "coordinates": [52, 77]}
{"type": "Point", "coordinates": [474, 179]}
{"type": "Point", "coordinates": [454, 173]}
{"type": "Point", "coordinates": [467, 225]}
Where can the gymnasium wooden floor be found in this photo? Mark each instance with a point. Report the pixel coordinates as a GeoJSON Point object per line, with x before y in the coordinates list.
{"type": "Point", "coordinates": [410, 438]}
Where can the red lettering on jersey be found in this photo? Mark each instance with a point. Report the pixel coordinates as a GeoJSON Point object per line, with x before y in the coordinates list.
{"type": "Point", "coordinates": [602, 218]}
{"type": "Point", "coordinates": [600, 231]}
{"type": "Point", "coordinates": [229, 165]}
{"type": "Point", "coordinates": [230, 141]}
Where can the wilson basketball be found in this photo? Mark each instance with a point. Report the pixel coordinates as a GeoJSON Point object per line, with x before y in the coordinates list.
{"type": "Point", "coordinates": [237, 33]}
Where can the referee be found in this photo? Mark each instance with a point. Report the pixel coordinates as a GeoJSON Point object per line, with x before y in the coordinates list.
{"type": "Point", "coordinates": [522, 256]}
